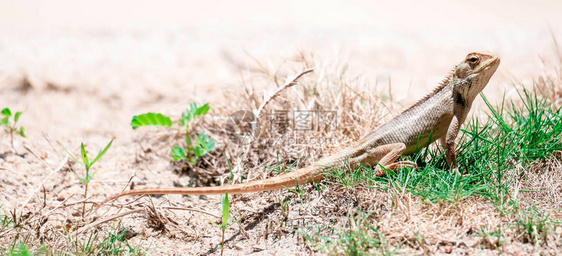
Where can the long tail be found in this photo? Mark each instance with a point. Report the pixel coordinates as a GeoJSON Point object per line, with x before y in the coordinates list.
{"type": "Point", "coordinates": [302, 176]}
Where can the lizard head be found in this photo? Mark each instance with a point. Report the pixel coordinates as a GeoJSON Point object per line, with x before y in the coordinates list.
{"type": "Point", "coordinates": [473, 73]}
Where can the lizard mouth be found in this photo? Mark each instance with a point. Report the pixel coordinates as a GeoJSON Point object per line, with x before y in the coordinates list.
{"type": "Point", "coordinates": [493, 62]}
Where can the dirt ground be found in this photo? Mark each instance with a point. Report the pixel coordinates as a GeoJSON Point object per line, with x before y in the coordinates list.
{"type": "Point", "coordinates": [81, 83]}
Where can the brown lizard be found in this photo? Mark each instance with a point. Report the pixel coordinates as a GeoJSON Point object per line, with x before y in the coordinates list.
{"type": "Point", "coordinates": [439, 115]}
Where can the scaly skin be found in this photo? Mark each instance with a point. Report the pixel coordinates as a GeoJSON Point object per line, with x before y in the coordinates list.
{"type": "Point", "coordinates": [439, 115]}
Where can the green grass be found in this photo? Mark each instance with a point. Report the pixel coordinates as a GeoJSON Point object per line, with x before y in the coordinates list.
{"type": "Point", "coordinates": [356, 237]}
{"type": "Point", "coordinates": [117, 244]}
{"type": "Point", "coordinates": [21, 249]}
{"type": "Point", "coordinates": [114, 243]}
{"type": "Point", "coordinates": [533, 224]}
{"type": "Point", "coordinates": [5, 221]}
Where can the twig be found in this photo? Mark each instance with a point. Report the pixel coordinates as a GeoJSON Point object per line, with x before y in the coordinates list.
{"type": "Point", "coordinates": [61, 205]}
{"type": "Point", "coordinates": [190, 209]}
{"type": "Point", "coordinates": [290, 81]}
{"type": "Point", "coordinates": [119, 215]}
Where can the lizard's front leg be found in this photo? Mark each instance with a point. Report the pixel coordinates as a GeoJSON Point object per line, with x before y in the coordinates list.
{"type": "Point", "coordinates": [448, 141]}
{"type": "Point", "coordinates": [385, 155]}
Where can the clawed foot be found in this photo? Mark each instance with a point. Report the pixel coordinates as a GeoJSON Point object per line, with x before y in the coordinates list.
{"type": "Point", "coordinates": [380, 172]}
{"type": "Point", "coordinates": [407, 164]}
{"type": "Point", "coordinates": [457, 172]}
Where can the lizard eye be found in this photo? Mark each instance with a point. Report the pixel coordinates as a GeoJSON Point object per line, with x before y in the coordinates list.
{"type": "Point", "coordinates": [473, 60]}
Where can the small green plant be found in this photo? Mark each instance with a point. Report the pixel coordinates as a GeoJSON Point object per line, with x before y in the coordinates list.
{"type": "Point", "coordinates": [494, 239]}
{"type": "Point", "coordinates": [357, 237]}
{"type": "Point", "coordinates": [298, 191]}
{"type": "Point", "coordinates": [349, 177]}
{"type": "Point", "coordinates": [197, 147]}
{"type": "Point", "coordinates": [192, 113]}
{"type": "Point", "coordinates": [532, 225]}
{"type": "Point", "coordinates": [285, 206]}
{"type": "Point", "coordinates": [19, 250]}
{"type": "Point", "coordinates": [10, 126]}
{"type": "Point", "coordinates": [225, 209]}
{"type": "Point", "coordinates": [113, 245]}
{"type": "Point", "coordinates": [87, 164]}
{"type": "Point", "coordinates": [5, 221]}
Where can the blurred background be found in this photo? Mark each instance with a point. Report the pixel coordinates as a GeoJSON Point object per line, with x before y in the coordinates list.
{"type": "Point", "coordinates": [179, 51]}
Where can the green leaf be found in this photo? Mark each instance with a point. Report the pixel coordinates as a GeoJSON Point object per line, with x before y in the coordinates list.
{"type": "Point", "coordinates": [6, 112]}
{"type": "Point", "coordinates": [84, 155]}
{"type": "Point", "coordinates": [138, 121]}
{"type": "Point", "coordinates": [187, 140]}
{"type": "Point", "coordinates": [211, 221]}
{"type": "Point", "coordinates": [202, 110]}
{"type": "Point", "coordinates": [161, 119]}
{"type": "Point", "coordinates": [185, 118]}
{"type": "Point", "coordinates": [200, 138]}
{"type": "Point", "coordinates": [225, 209]}
{"type": "Point", "coordinates": [151, 119]}
{"type": "Point", "coordinates": [192, 112]}
{"type": "Point", "coordinates": [5, 121]}
{"type": "Point", "coordinates": [198, 152]}
{"type": "Point", "coordinates": [182, 120]}
{"type": "Point", "coordinates": [199, 147]}
{"type": "Point", "coordinates": [21, 132]}
{"type": "Point", "coordinates": [188, 115]}
{"type": "Point", "coordinates": [69, 154]}
{"type": "Point", "coordinates": [17, 116]}
{"type": "Point", "coordinates": [210, 145]}
{"type": "Point", "coordinates": [203, 144]}
{"type": "Point", "coordinates": [178, 153]}
{"type": "Point", "coordinates": [192, 109]}
{"type": "Point", "coordinates": [102, 152]}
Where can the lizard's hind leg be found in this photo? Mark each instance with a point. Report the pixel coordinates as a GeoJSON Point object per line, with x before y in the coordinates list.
{"type": "Point", "coordinates": [386, 156]}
